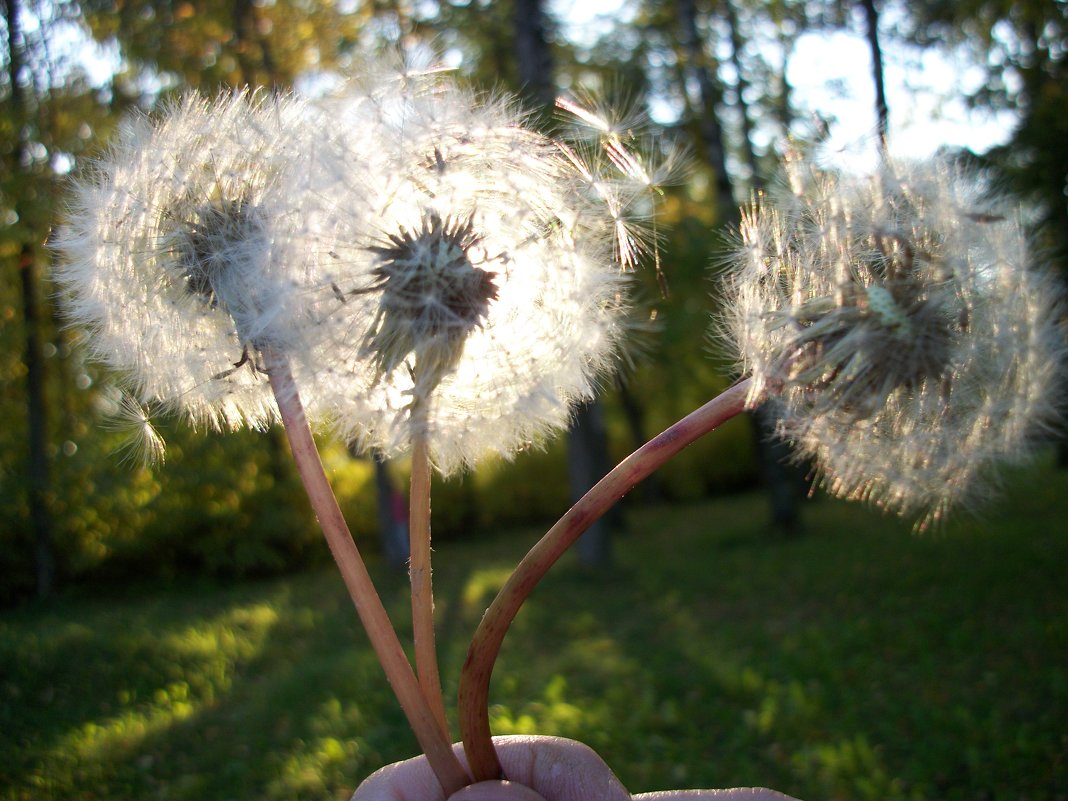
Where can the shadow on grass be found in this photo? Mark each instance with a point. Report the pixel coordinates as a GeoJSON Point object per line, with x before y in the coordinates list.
{"type": "Point", "coordinates": [859, 661]}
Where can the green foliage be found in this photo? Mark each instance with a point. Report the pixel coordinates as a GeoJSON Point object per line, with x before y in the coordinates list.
{"type": "Point", "coordinates": [208, 45]}
{"type": "Point", "coordinates": [531, 489]}
{"type": "Point", "coordinates": [858, 662]}
{"type": "Point", "coordinates": [227, 506]}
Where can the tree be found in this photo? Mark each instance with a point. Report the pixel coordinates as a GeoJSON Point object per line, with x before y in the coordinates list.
{"type": "Point", "coordinates": [778, 478]}
{"type": "Point", "coordinates": [700, 67]}
{"type": "Point", "coordinates": [740, 90]}
{"type": "Point", "coordinates": [26, 260]}
{"type": "Point", "coordinates": [532, 53]}
{"type": "Point", "coordinates": [871, 33]}
{"type": "Point", "coordinates": [48, 112]}
{"type": "Point", "coordinates": [1023, 47]}
{"type": "Point", "coordinates": [51, 114]}
{"type": "Point", "coordinates": [206, 45]}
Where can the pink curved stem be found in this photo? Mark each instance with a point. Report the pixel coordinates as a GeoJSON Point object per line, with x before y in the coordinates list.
{"type": "Point", "coordinates": [486, 643]}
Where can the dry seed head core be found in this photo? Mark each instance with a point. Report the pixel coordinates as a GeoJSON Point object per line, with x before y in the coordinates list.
{"type": "Point", "coordinates": [209, 241]}
{"type": "Point", "coordinates": [205, 240]}
{"type": "Point", "coordinates": [881, 302]}
{"type": "Point", "coordinates": [432, 296]}
{"type": "Point", "coordinates": [883, 333]}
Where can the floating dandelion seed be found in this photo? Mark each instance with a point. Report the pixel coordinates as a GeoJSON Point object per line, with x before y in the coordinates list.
{"type": "Point", "coordinates": [614, 155]}
{"type": "Point", "coordinates": [182, 255]}
{"type": "Point", "coordinates": [897, 328]}
{"type": "Point", "coordinates": [480, 289]}
{"type": "Point", "coordinates": [142, 443]}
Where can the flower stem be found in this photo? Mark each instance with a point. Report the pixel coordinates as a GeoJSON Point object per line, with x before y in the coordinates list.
{"type": "Point", "coordinates": [387, 647]}
{"type": "Point", "coordinates": [420, 575]}
{"type": "Point", "coordinates": [486, 643]}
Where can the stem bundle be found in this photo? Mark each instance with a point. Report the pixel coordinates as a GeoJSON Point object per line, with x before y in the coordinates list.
{"type": "Point", "coordinates": [387, 647]}
{"type": "Point", "coordinates": [420, 697]}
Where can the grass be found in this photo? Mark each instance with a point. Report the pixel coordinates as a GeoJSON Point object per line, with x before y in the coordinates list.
{"type": "Point", "coordinates": [856, 661]}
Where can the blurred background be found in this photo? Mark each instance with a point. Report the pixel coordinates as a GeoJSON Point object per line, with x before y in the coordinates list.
{"type": "Point", "coordinates": [113, 674]}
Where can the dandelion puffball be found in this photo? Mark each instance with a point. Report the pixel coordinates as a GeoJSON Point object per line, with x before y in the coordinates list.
{"type": "Point", "coordinates": [431, 266]}
{"type": "Point", "coordinates": [478, 268]}
{"type": "Point", "coordinates": [182, 254]}
{"type": "Point", "coordinates": [895, 325]}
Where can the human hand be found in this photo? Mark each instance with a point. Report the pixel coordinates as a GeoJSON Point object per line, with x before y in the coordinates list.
{"type": "Point", "coordinates": [538, 769]}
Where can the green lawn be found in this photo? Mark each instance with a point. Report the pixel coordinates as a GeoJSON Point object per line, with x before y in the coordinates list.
{"type": "Point", "coordinates": [857, 661]}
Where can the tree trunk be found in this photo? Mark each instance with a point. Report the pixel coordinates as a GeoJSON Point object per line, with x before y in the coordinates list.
{"type": "Point", "coordinates": [392, 515]}
{"type": "Point", "coordinates": [532, 53]}
{"type": "Point", "coordinates": [882, 111]}
{"type": "Point", "coordinates": [778, 478]}
{"type": "Point", "coordinates": [587, 443]}
{"type": "Point", "coordinates": [709, 129]}
{"type": "Point", "coordinates": [755, 180]}
{"type": "Point", "coordinates": [37, 420]}
{"type": "Point", "coordinates": [781, 478]}
{"type": "Point", "coordinates": [587, 462]}
{"type": "Point", "coordinates": [783, 109]}
{"type": "Point", "coordinates": [651, 489]}
{"type": "Point", "coordinates": [246, 35]}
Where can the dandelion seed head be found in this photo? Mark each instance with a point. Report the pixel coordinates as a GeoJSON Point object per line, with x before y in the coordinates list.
{"type": "Point", "coordinates": [896, 324]}
{"type": "Point", "coordinates": [479, 279]}
{"type": "Point", "coordinates": [182, 254]}
{"type": "Point", "coordinates": [431, 265]}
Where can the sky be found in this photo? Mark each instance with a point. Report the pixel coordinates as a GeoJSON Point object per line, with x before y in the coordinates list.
{"type": "Point", "coordinates": [831, 76]}
{"type": "Point", "coordinates": [925, 95]}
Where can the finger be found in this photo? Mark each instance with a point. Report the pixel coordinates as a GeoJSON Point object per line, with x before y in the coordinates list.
{"type": "Point", "coordinates": [411, 780]}
{"type": "Point", "coordinates": [496, 791]}
{"type": "Point", "coordinates": [736, 794]}
{"type": "Point", "coordinates": [558, 769]}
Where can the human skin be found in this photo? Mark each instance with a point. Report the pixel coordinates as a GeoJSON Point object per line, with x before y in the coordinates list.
{"type": "Point", "coordinates": [538, 769]}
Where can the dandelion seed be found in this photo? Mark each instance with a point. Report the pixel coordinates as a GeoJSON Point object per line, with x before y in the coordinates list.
{"type": "Point", "coordinates": [483, 282]}
{"type": "Point", "coordinates": [897, 327]}
{"type": "Point", "coordinates": [182, 255]}
{"type": "Point", "coordinates": [142, 444]}
{"type": "Point", "coordinates": [613, 154]}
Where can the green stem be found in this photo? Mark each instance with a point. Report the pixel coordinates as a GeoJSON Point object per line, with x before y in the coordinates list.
{"type": "Point", "coordinates": [486, 643]}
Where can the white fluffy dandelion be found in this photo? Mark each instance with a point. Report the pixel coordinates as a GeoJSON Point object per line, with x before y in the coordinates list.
{"type": "Point", "coordinates": [479, 280]}
{"type": "Point", "coordinates": [897, 327]}
{"type": "Point", "coordinates": [183, 257]}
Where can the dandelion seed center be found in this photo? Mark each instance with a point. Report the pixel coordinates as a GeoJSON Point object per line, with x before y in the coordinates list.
{"type": "Point", "coordinates": [205, 241]}
{"type": "Point", "coordinates": [875, 336]}
{"type": "Point", "coordinates": [432, 295]}
{"type": "Point", "coordinates": [882, 303]}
